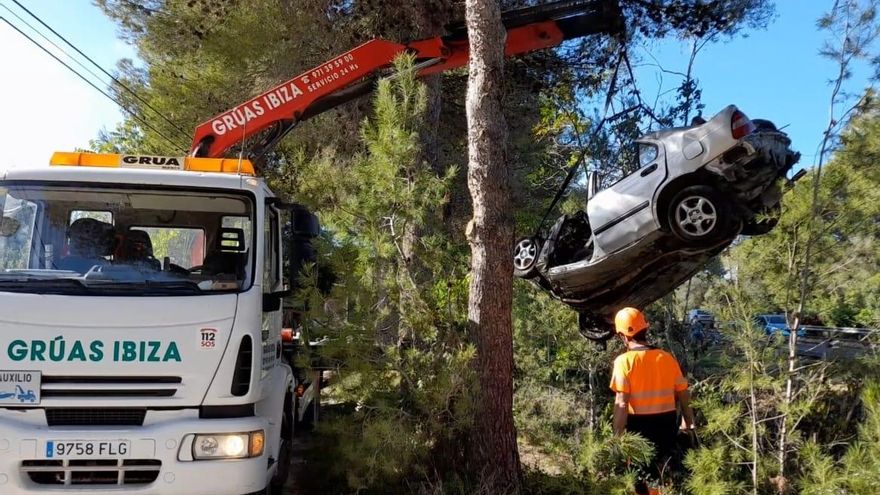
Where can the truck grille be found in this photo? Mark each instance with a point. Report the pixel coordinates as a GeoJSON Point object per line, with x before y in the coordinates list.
{"type": "Point", "coordinates": [92, 472]}
{"type": "Point", "coordinates": [241, 379]}
{"type": "Point", "coordinates": [72, 387]}
{"type": "Point", "coordinates": [81, 416]}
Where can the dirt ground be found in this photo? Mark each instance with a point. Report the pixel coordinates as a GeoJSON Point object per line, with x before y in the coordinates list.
{"type": "Point", "coordinates": [298, 469]}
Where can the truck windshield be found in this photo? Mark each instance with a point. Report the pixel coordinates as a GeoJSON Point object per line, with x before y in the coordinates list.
{"type": "Point", "coordinates": [96, 239]}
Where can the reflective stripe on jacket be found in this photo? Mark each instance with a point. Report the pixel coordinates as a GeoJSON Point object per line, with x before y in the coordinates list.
{"type": "Point", "coordinates": [650, 377]}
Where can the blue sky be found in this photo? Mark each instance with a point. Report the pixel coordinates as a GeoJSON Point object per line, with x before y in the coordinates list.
{"type": "Point", "coordinates": [776, 74]}
{"type": "Point", "coordinates": [46, 107]}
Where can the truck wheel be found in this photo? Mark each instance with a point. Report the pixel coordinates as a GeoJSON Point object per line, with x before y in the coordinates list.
{"type": "Point", "coordinates": [525, 257]}
{"type": "Point", "coordinates": [285, 452]}
{"type": "Point", "coordinates": [699, 214]}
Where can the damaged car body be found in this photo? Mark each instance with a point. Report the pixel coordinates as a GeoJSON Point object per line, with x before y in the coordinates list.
{"type": "Point", "coordinates": [695, 189]}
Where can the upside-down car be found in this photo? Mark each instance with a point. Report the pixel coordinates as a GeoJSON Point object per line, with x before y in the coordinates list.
{"type": "Point", "coordinates": [695, 189]}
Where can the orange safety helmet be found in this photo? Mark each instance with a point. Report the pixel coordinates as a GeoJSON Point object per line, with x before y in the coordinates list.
{"type": "Point", "coordinates": [630, 321]}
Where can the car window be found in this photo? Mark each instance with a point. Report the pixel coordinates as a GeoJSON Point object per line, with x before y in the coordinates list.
{"type": "Point", "coordinates": [647, 154]}
{"type": "Point", "coordinates": [776, 319]}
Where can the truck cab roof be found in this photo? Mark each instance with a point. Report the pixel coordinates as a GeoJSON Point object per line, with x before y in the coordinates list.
{"type": "Point", "coordinates": [125, 169]}
{"type": "Point", "coordinates": [173, 178]}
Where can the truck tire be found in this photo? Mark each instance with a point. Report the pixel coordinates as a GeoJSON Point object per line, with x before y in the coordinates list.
{"type": "Point", "coordinates": [285, 452]}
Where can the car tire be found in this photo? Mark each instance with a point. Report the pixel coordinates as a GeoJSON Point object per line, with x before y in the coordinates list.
{"type": "Point", "coordinates": [525, 257]}
{"type": "Point", "coordinates": [593, 328]}
{"type": "Point", "coordinates": [699, 214]}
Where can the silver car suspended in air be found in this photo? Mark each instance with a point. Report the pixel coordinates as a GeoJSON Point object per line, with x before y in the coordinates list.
{"type": "Point", "coordinates": [695, 190]}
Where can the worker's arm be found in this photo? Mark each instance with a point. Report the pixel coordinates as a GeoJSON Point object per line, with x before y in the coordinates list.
{"type": "Point", "coordinates": [687, 413]}
{"type": "Point", "coordinates": [621, 403]}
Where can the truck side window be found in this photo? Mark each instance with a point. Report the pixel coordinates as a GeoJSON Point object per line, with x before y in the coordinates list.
{"type": "Point", "coordinates": [271, 259]}
{"type": "Point", "coordinates": [17, 229]}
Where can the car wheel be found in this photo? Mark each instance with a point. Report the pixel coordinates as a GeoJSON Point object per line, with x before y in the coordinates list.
{"type": "Point", "coordinates": [699, 214]}
{"type": "Point", "coordinates": [525, 257]}
{"type": "Point", "coordinates": [593, 328]}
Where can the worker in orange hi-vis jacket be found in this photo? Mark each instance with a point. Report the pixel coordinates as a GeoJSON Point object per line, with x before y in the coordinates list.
{"type": "Point", "coordinates": [648, 384]}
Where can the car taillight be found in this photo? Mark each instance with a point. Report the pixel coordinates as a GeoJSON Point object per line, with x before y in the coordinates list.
{"type": "Point", "coordinates": [740, 125]}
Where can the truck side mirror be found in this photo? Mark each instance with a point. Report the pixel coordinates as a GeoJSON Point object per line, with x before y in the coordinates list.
{"type": "Point", "coordinates": [299, 232]}
{"type": "Point", "coordinates": [272, 302]}
{"type": "Point", "coordinates": [303, 228]}
{"type": "Point", "coordinates": [592, 184]}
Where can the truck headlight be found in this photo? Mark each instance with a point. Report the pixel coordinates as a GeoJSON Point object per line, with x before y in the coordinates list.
{"type": "Point", "coordinates": [228, 445]}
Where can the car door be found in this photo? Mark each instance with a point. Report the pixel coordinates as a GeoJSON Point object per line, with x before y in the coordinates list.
{"type": "Point", "coordinates": [623, 213]}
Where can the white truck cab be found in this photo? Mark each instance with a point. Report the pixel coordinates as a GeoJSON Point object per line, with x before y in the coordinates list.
{"type": "Point", "coordinates": [140, 327]}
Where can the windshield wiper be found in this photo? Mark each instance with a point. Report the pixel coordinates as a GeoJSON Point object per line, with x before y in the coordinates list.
{"type": "Point", "coordinates": [81, 285]}
{"type": "Point", "coordinates": [174, 285]}
{"type": "Point", "coordinates": [143, 286]}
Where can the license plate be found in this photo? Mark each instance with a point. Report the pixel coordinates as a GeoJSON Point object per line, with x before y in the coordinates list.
{"type": "Point", "coordinates": [20, 387]}
{"type": "Point", "coordinates": [87, 449]}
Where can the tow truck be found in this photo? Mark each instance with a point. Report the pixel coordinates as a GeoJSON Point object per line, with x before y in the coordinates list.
{"type": "Point", "coordinates": [141, 296]}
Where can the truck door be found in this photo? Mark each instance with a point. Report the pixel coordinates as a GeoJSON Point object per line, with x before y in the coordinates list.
{"type": "Point", "coordinates": [623, 213]}
{"type": "Point", "coordinates": [272, 284]}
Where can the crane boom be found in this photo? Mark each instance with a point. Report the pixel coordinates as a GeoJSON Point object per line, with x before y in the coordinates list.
{"type": "Point", "coordinates": [350, 74]}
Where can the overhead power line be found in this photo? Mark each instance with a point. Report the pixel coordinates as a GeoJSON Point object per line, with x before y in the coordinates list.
{"type": "Point", "coordinates": [55, 45]}
{"type": "Point", "coordinates": [90, 83]}
{"type": "Point", "coordinates": [107, 73]}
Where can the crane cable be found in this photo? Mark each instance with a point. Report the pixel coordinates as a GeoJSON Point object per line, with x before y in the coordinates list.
{"type": "Point", "coordinates": [95, 86]}
{"type": "Point", "coordinates": [612, 85]}
{"type": "Point", "coordinates": [107, 73]}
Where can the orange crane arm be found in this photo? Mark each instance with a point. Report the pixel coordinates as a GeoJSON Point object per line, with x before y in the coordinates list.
{"type": "Point", "coordinates": [349, 75]}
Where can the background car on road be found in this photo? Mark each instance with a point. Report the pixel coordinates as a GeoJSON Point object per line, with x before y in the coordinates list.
{"type": "Point", "coordinates": [701, 316]}
{"type": "Point", "coordinates": [773, 323]}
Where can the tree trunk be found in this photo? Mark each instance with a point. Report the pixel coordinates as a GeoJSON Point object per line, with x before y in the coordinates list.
{"type": "Point", "coordinates": [494, 458]}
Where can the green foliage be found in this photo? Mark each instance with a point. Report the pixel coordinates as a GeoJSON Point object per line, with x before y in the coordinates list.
{"type": "Point", "coordinates": [125, 139]}
{"type": "Point", "coordinates": [603, 464]}
{"type": "Point", "coordinates": [395, 213]}
{"type": "Point", "coordinates": [742, 408]}
{"type": "Point", "coordinates": [714, 471]}
{"type": "Point", "coordinates": [398, 346]}
{"type": "Point", "coordinates": [843, 284]}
